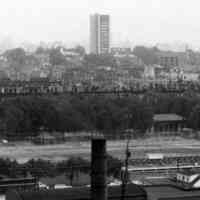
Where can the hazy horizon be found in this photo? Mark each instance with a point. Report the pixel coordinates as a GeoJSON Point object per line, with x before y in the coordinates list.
{"type": "Point", "coordinates": [132, 21]}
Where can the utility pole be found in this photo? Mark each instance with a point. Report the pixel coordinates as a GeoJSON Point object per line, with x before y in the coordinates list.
{"type": "Point", "coordinates": [177, 164]}
{"type": "Point", "coordinates": [125, 173]}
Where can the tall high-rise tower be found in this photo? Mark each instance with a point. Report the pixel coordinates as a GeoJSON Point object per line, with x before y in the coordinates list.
{"type": "Point", "coordinates": [99, 34]}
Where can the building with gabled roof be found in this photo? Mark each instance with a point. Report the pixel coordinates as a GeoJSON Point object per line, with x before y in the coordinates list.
{"type": "Point", "coordinates": [167, 123]}
{"type": "Point", "coordinates": [188, 179]}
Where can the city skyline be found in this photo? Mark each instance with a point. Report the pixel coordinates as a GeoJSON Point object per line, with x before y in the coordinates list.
{"type": "Point", "coordinates": [134, 22]}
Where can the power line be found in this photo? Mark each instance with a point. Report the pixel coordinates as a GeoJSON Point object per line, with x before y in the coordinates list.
{"type": "Point", "coordinates": [125, 174]}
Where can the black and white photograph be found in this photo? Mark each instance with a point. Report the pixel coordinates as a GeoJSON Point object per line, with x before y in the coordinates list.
{"type": "Point", "coordinates": [100, 100]}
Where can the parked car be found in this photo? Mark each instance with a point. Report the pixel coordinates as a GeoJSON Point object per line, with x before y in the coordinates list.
{"type": "Point", "coordinates": [115, 183]}
{"type": "Point", "coordinates": [62, 186]}
{"type": "Point", "coordinates": [43, 186]}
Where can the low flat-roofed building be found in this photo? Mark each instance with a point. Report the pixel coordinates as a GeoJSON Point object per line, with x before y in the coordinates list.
{"type": "Point", "coordinates": [168, 59]}
{"type": "Point", "coordinates": [114, 192]}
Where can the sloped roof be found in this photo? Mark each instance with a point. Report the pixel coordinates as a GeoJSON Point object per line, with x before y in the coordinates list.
{"type": "Point", "coordinates": [171, 193]}
{"type": "Point", "coordinates": [167, 117]}
{"type": "Point", "coordinates": [196, 180]}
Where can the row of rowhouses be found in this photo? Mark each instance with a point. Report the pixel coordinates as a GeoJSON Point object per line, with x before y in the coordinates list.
{"type": "Point", "coordinates": [39, 86]}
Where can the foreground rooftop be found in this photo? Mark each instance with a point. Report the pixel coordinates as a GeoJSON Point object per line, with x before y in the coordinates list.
{"type": "Point", "coordinates": [171, 193]}
{"type": "Point", "coordinates": [83, 193]}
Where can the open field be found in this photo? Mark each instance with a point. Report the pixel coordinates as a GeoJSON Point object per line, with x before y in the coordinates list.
{"type": "Point", "coordinates": [23, 151]}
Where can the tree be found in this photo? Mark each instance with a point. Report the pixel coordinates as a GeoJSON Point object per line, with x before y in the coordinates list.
{"type": "Point", "coordinates": [5, 165]}
{"type": "Point", "coordinates": [74, 166]}
{"type": "Point", "coordinates": [56, 57]}
{"type": "Point", "coordinates": [41, 50]}
{"type": "Point", "coordinates": [69, 118]}
{"type": "Point", "coordinates": [141, 117]}
{"type": "Point", "coordinates": [114, 166]}
{"type": "Point", "coordinates": [12, 118]}
{"type": "Point", "coordinates": [41, 168]}
{"type": "Point", "coordinates": [148, 55]}
{"type": "Point", "coordinates": [16, 58]}
{"type": "Point", "coordinates": [80, 49]}
{"type": "Point", "coordinates": [182, 106]}
{"type": "Point", "coordinates": [194, 119]}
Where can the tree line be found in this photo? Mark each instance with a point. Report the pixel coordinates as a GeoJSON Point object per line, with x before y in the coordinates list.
{"type": "Point", "coordinates": [27, 116]}
{"type": "Point", "coordinates": [71, 168]}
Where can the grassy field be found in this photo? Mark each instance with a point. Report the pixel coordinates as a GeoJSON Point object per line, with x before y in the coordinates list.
{"type": "Point", "coordinates": [23, 151]}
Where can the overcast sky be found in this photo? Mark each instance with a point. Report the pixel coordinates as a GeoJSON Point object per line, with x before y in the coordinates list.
{"type": "Point", "coordinates": [137, 21]}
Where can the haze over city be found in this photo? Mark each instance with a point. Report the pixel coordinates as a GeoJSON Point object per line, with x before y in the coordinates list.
{"type": "Point", "coordinates": [132, 21]}
{"type": "Point", "coordinates": [100, 100]}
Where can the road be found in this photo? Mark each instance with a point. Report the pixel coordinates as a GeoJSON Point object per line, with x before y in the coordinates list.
{"type": "Point", "coordinates": [23, 151]}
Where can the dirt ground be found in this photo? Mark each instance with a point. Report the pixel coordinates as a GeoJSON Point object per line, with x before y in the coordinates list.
{"type": "Point", "coordinates": [23, 151]}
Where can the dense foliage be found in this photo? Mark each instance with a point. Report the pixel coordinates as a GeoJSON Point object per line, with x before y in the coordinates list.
{"type": "Point", "coordinates": [26, 116]}
{"type": "Point", "coordinates": [148, 55]}
{"type": "Point", "coordinates": [44, 168]}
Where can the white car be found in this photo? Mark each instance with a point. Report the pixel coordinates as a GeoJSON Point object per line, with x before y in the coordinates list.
{"type": "Point", "coordinates": [88, 186]}
{"type": "Point", "coordinates": [4, 141]}
{"type": "Point", "coordinates": [115, 183]}
{"type": "Point", "coordinates": [43, 186]}
{"type": "Point", "coordinates": [137, 182]}
{"type": "Point", "coordinates": [62, 186]}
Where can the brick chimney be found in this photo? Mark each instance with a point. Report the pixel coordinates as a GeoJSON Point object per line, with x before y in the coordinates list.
{"type": "Point", "coordinates": [99, 169]}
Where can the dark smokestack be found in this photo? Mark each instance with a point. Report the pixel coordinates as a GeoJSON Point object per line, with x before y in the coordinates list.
{"type": "Point", "coordinates": [99, 170]}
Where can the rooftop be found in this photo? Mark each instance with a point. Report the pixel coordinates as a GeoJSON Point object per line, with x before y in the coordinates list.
{"type": "Point", "coordinates": [170, 192]}
{"type": "Point", "coordinates": [187, 172]}
{"type": "Point", "coordinates": [82, 193]}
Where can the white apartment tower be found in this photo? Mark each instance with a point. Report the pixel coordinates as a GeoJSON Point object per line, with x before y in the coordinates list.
{"type": "Point", "coordinates": [99, 34]}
